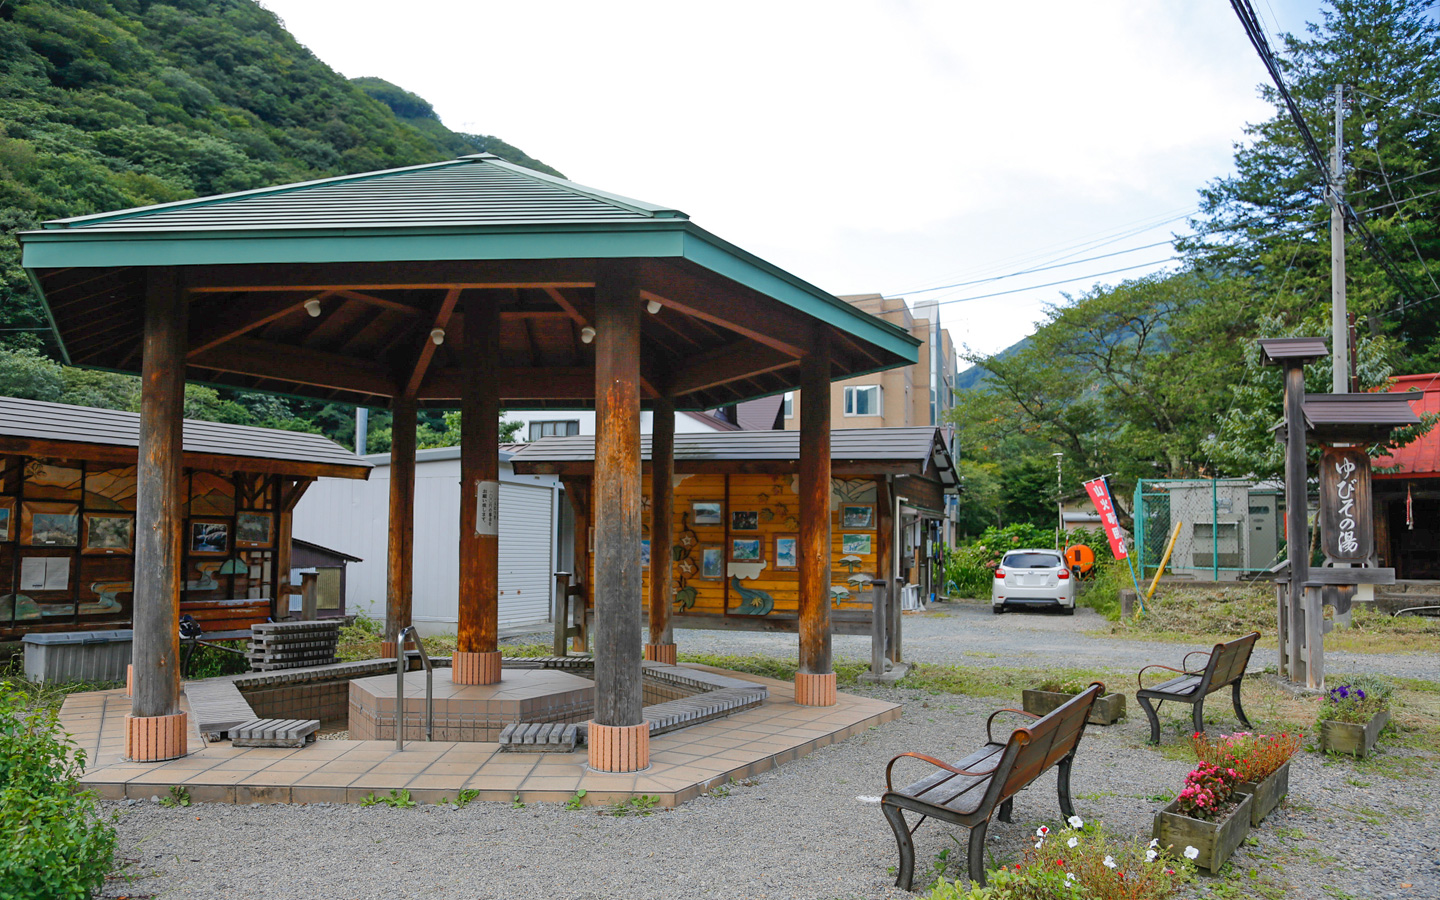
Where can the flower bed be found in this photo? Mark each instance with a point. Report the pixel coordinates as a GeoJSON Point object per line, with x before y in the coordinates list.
{"type": "Point", "coordinates": [1353, 714]}
{"type": "Point", "coordinates": [1051, 695]}
{"type": "Point", "coordinates": [1209, 818]}
{"type": "Point", "coordinates": [1261, 763]}
{"type": "Point", "coordinates": [1079, 861]}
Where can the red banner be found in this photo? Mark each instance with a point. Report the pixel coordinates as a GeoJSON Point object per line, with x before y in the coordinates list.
{"type": "Point", "coordinates": [1099, 493]}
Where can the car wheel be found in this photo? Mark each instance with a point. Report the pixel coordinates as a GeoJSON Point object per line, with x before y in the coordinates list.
{"type": "Point", "coordinates": [1069, 610]}
{"type": "Point", "coordinates": [997, 610]}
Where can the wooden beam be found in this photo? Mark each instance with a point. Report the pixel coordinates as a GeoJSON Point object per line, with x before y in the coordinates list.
{"type": "Point", "coordinates": [408, 309]}
{"type": "Point", "coordinates": [391, 276]}
{"type": "Point", "coordinates": [211, 328]}
{"type": "Point", "coordinates": [160, 495]}
{"type": "Point", "coordinates": [400, 548]}
{"type": "Point", "coordinates": [212, 462]}
{"type": "Point", "coordinates": [518, 383]}
{"type": "Point", "coordinates": [732, 362]}
{"type": "Point", "coordinates": [662, 519]}
{"type": "Point", "coordinates": [860, 468]}
{"type": "Point", "coordinates": [619, 698]}
{"type": "Point", "coordinates": [566, 304]}
{"type": "Point", "coordinates": [299, 365]}
{"type": "Point", "coordinates": [428, 345]}
{"type": "Point", "coordinates": [815, 473]}
{"type": "Point", "coordinates": [743, 313]}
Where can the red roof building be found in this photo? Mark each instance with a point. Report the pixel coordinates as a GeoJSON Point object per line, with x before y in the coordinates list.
{"type": "Point", "coordinates": [1407, 491]}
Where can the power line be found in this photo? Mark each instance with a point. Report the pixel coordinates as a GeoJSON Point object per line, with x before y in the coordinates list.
{"type": "Point", "coordinates": [1402, 200]}
{"type": "Point", "coordinates": [1076, 262]}
{"type": "Point", "coordinates": [1383, 102]}
{"type": "Point", "coordinates": [1036, 287]}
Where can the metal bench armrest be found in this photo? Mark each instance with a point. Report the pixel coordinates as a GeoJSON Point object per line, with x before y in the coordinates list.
{"type": "Point", "coordinates": [1185, 663]}
{"type": "Point", "coordinates": [990, 737]}
{"type": "Point", "coordinates": [1138, 675]}
{"type": "Point", "coordinates": [934, 762]}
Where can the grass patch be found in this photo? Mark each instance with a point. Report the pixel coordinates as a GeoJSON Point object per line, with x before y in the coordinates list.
{"type": "Point", "coordinates": [36, 695]}
{"type": "Point", "coordinates": [1199, 615]}
{"type": "Point", "coordinates": [361, 640]}
{"type": "Point", "coordinates": [847, 672]}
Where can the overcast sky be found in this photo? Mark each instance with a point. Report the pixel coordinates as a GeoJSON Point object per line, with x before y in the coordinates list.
{"type": "Point", "coordinates": [866, 147]}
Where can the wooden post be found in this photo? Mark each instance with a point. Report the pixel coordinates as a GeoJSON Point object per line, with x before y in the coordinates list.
{"type": "Point", "coordinates": [309, 598]}
{"type": "Point", "coordinates": [619, 738]}
{"type": "Point", "coordinates": [156, 729]}
{"type": "Point", "coordinates": [885, 533]}
{"type": "Point", "coordinates": [400, 558]}
{"type": "Point", "coordinates": [662, 517]}
{"type": "Point", "coordinates": [815, 682]}
{"type": "Point", "coordinates": [578, 491]}
{"type": "Point", "coordinates": [1297, 532]}
{"type": "Point", "coordinates": [477, 657]}
{"type": "Point", "coordinates": [879, 616]}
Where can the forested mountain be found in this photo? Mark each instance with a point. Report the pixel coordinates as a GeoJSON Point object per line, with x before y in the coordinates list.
{"type": "Point", "coordinates": [107, 104]}
{"type": "Point", "coordinates": [1160, 377]}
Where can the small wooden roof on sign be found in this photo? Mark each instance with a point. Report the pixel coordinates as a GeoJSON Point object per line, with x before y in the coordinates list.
{"type": "Point", "coordinates": [37, 428]}
{"type": "Point", "coordinates": [1279, 351]}
{"type": "Point", "coordinates": [381, 259]}
{"type": "Point", "coordinates": [1356, 418]}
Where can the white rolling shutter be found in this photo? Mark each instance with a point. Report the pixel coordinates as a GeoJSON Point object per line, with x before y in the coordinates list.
{"type": "Point", "coordinates": [526, 545]}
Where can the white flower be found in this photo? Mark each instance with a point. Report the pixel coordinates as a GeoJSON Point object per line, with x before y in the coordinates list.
{"type": "Point", "coordinates": [1042, 831]}
{"type": "Point", "coordinates": [1070, 876]}
{"type": "Point", "coordinates": [1192, 853]}
{"type": "Point", "coordinates": [1110, 861]}
{"type": "Point", "coordinates": [1076, 822]}
{"type": "Point", "coordinates": [1150, 855]}
{"type": "Point", "coordinates": [1154, 843]}
{"type": "Point", "coordinates": [1072, 842]}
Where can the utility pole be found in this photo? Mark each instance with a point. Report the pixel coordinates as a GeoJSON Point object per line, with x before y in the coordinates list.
{"type": "Point", "coordinates": [1059, 500]}
{"type": "Point", "coordinates": [1339, 326]}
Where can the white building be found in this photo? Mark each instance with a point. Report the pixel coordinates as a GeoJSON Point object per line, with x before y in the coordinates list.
{"type": "Point", "coordinates": [353, 517]}
{"type": "Point", "coordinates": [538, 423]}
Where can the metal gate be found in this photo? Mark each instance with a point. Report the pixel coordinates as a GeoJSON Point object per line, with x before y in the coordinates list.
{"type": "Point", "coordinates": [1223, 528]}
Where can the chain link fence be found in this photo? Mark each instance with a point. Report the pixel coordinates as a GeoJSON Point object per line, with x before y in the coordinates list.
{"type": "Point", "coordinates": [1223, 528]}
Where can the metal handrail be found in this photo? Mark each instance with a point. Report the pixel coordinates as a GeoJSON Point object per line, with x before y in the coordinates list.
{"type": "Point", "coordinates": [1411, 609]}
{"type": "Point", "coordinates": [401, 664]}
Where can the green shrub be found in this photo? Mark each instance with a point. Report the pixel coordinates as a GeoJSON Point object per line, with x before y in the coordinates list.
{"type": "Point", "coordinates": [56, 845]}
{"type": "Point", "coordinates": [972, 567]}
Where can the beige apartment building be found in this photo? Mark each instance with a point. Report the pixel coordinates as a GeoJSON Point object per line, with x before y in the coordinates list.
{"type": "Point", "coordinates": [913, 395]}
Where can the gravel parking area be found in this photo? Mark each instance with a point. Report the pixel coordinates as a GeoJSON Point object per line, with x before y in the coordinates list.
{"type": "Point", "coordinates": [811, 828]}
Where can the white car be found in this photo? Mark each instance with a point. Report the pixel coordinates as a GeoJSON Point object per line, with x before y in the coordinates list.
{"type": "Point", "coordinates": [1035, 578]}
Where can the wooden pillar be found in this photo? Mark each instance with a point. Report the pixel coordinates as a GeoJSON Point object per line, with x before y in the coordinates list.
{"type": "Point", "coordinates": [815, 682]}
{"type": "Point", "coordinates": [578, 491]}
{"type": "Point", "coordinates": [400, 552]}
{"type": "Point", "coordinates": [1297, 532]}
{"type": "Point", "coordinates": [662, 530]}
{"type": "Point", "coordinates": [477, 659]}
{"type": "Point", "coordinates": [619, 738]}
{"type": "Point", "coordinates": [156, 729]}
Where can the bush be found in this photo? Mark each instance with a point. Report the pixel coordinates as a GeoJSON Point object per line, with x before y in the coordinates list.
{"type": "Point", "coordinates": [360, 639]}
{"type": "Point", "coordinates": [972, 567]}
{"type": "Point", "coordinates": [56, 845]}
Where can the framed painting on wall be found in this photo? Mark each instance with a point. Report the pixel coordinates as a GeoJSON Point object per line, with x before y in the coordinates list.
{"type": "Point", "coordinates": [209, 537]}
{"type": "Point", "coordinates": [645, 554]}
{"type": "Point", "coordinates": [857, 515]}
{"type": "Point", "coordinates": [787, 548]}
{"type": "Point", "coordinates": [745, 520]}
{"type": "Point", "coordinates": [252, 530]}
{"type": "Point", "coordinates": [746, 550]}
{"type": "Point", "coordinates": [712, 562]}
{"type": "Point", "coordinates": [7, 519]}
{"type": "Point", "coordinates": [855, 543]}
{"type": "Point", "coordinates": [708, 512]}
{"type": "Point", "coordinates": [111, 534]}
{"type": "Point", "coordinates": [46, 524]}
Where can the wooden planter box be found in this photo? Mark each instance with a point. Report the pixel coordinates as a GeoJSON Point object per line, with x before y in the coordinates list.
{"type": "Point", "coordinates": [1107, 710]}
{"type": "Point", "coordinates": [1266, 793]}
{"type": "Point", "coordinates": [1215, 840]}
{"type": "Point", "coordinates": [1356, 740]}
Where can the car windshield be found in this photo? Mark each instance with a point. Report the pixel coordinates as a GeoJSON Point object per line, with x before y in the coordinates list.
{"type": "Point", "coordinates": [1032, 561]}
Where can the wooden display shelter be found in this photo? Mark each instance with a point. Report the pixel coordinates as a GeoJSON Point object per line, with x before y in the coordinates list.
{"type": "Point", "coordinates": [734, 521]}
{"type": "Point", "coordinates": [68, 480]}
{"type": "Point", "coordinates": [464, 283]}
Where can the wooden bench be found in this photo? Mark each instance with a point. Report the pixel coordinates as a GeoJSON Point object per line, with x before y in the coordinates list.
{"type": "Point", "coordinates": [969, 792]}
{"type": "Point", "coordinates": [1225, 665]}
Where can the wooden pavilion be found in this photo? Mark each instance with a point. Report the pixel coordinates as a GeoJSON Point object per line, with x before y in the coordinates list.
{"type": "Point", "coordinates": [67, 517]}
{"type": "Point", "coordinates": [468, 283]}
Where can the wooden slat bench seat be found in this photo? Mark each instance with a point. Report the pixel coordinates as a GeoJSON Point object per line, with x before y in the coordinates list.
{"type": "Point", "coordinates": [970, 791]}
{"type": "Point", "coordinates": [1224, 665]}
{"type": "Point", "coordinates": [283, 733]}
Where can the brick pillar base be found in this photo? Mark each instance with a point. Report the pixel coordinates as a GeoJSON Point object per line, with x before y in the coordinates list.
{"type": "Point", "coordinates": [155, 738]}
{"type": "Point", "coordinates": [619, 748]}
{"type": "Point", "coordinates": [387, 648]}
{"type": "Point", "coordinates": [130, 681]}
{"type": "Point", "coordinates": [815, 690]}
{"type": "Point", "coordinates": [475, 668]}
{"type": "Point", "coordinates": [661, 653]}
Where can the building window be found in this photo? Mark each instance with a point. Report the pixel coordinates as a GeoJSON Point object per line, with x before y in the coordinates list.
{"type": "Point", "coordinates": [863, 400]}
{"type": "Point", "coordinates": [554, 429]}
{"type": "Point", "coordinates": [788, 407]}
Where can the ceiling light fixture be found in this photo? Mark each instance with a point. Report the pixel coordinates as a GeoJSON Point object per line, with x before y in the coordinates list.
{"type": "Point", "coordinates": [313, 308]}
{"type": "Point", "coordinates": [437, 335]}
{"type": "Point", "coordinates": [587, 334]}
{"type": "Point", "coordinates": [652, 307]}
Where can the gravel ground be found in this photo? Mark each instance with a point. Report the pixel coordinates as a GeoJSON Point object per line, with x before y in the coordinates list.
{"type": "Point", "coordinates": [969, 634]}
{"type": "Point", "coordinates": [810, 829]}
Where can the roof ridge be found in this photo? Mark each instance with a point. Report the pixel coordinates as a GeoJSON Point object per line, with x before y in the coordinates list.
{"type": "Point", "coordinates": [194, 202]}
{"type": "Point", "coordinates": [654, 210]}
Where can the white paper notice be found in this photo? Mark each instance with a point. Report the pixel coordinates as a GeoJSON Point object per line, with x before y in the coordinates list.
{"type": "Point", "coordinates": [44, 573]}
{"type": "Point", "coordinates": [487, 507]}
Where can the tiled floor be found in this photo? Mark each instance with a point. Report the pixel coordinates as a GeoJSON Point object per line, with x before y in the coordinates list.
{"type": "Point", "coordinates": [683, 763]}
